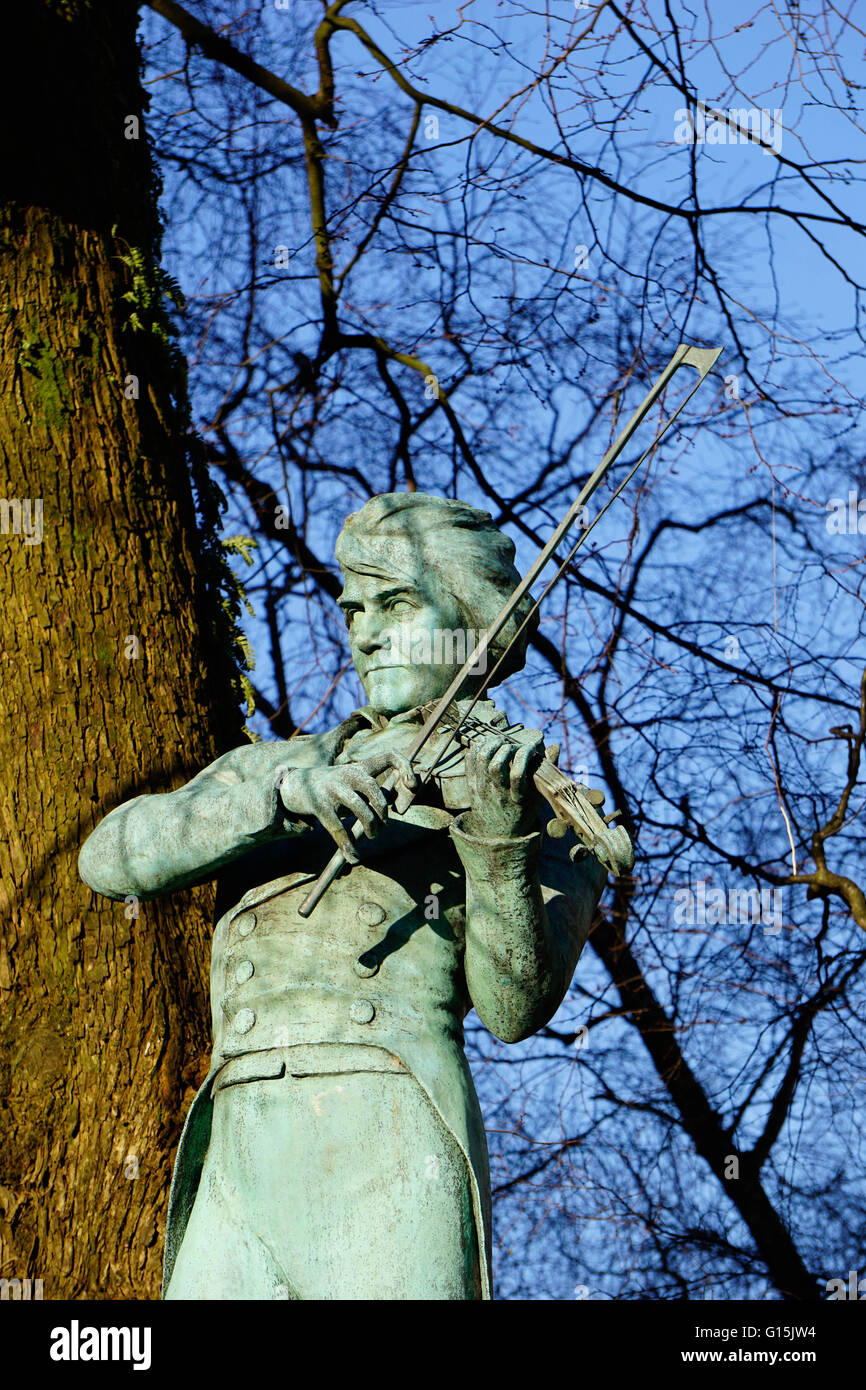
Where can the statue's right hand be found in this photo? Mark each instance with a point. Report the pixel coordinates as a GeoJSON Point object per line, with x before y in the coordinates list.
{"type": "Point", "coordinates": [351, 787]}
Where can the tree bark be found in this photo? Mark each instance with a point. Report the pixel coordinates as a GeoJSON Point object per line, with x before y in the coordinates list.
{"type": "Point", "coordinates": [116, 674]}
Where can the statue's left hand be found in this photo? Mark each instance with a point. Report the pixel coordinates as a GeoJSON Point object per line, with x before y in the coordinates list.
{"type": "Point", "coordinates": [504, 803]}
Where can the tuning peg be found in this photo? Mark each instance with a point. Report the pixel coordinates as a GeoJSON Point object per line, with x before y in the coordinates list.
{"type": "Point", "coordinates": [556, 828]}
{"type": "Point", "coordinates": [595, 798]}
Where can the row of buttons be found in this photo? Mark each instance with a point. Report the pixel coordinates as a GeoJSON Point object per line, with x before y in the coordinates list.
{"type": "Point", "coordinates": [245, 1018]}
{"type": "Point", "coordinates": [369, 915]}
{"type": "Point", "coordinates": [360, 1010]}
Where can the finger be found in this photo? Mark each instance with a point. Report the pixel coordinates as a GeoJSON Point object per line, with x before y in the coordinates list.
{"type": "Point", "coordinates": [378, 762]}
{"type": "Point", "coordinates": [405, 769]}
{"type": "Point", "coordinates": [498, 766]}
{"type": "Point", "coordinates": [355, 804]}
{"type": "Point", "coordinates": [531, 738]}
{"type": "Point", "coordinates": [485, 749]}
{"type": "Point", "coordinates": [369, 789]}
{"type": "Point", "coordinates": [470, 769]}
{"type": "Point", "coordinates": [330, 821]}
{"type": "Point", "coordinates": [476, 768]}
{"type": "Point", "coordinates": [520, 768]}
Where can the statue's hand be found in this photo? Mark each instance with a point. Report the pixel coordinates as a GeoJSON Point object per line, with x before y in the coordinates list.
{"type": "Point", "coordinates": [322, 792]}
{"type": "Point", "coordinates": [504, 803]}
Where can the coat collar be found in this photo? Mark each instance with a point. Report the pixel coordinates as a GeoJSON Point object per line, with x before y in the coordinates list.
{"type": "Point", "coordinates": [382, 721]}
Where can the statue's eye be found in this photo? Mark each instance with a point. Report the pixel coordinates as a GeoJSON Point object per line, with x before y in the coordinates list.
{"type": "Point", "coordinates": [402, 605]}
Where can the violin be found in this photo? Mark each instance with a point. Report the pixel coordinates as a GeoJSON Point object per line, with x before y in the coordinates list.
{"type": "Point", "coordinates": [573, 804]}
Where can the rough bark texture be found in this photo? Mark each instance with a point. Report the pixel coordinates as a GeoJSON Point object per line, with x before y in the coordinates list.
{"type": "Point", "coordinates": [103, 1013]}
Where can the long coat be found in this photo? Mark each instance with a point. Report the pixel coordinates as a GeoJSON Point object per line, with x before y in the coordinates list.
{"type": "Point", "coordinates": [380, 961]}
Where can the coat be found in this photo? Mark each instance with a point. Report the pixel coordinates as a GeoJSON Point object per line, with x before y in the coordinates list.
{"type": "Point", "coordinates": [380, 961]}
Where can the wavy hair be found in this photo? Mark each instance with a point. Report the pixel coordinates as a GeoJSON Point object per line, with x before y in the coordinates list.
{"type": "Point", "coordinates": [473, 561]}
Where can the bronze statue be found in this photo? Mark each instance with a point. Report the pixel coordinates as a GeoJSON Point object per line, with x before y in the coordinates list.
{"type": "Point", "coordinates": [336, 1149]}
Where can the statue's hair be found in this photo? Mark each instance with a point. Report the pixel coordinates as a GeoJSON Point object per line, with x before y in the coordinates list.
{"type": "Point", "coordinates": [474, 562]}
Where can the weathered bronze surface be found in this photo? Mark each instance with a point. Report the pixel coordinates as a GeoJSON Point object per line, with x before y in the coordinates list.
{"type": "Point", "coordinates": [336, 1149]}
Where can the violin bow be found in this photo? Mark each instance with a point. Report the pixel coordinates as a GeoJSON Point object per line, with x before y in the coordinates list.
{"type": "Point", "coordinates": [702, 360]}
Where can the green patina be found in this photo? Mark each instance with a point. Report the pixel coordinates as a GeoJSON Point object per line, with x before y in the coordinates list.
{"type": "Point", "coordinates": [338, 1067]}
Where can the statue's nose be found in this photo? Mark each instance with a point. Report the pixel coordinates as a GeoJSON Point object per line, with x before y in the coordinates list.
{"type": "Point", "coordinates": [367, 633]}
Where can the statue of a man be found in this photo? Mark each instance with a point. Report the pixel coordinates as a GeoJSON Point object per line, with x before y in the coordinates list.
{"type": "Point", "coordinates": [336, 1149]}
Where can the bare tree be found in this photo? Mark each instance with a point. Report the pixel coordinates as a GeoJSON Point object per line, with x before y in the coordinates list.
{"type": "Point", "coordinates": [436, 259]}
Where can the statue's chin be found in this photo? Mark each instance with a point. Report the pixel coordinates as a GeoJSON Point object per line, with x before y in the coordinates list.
{"type": "Point", "coordinates": [391, 694]}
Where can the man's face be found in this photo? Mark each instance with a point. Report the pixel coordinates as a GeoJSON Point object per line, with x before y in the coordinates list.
{"type": "Point", "coordinates": [404, 635]}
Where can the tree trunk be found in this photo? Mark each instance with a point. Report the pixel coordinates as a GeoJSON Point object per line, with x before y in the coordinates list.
{"type": "Point", "coordinates": [117, 675]}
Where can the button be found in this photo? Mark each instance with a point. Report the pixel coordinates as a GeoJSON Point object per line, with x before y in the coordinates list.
{"type": "Point", "coordinates": [246, 923]}
{"type": "Point", "coordinates": [244, 1021]}
{"type": "Point", "coordinates": [244, 971]}
{"type": "Point", "coordinates": [362, 1011]}
{"type": "Point", "coordinates": [365, 966]}
{"type": "Point", "coordinates": [371, 914]}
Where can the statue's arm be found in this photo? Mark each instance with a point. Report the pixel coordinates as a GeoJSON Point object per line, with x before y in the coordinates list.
{"type": "Point", "coordinates": [523, 936]}
{"type": "Point", "coordinates": [155, 844]}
